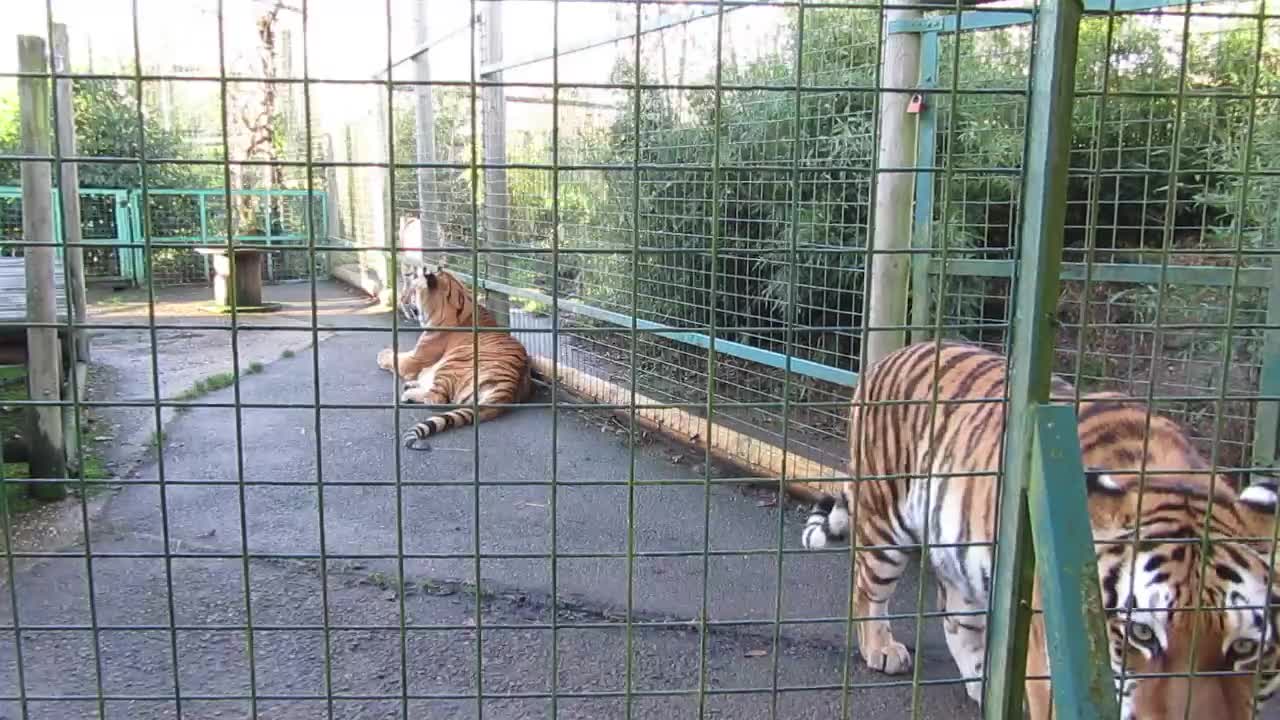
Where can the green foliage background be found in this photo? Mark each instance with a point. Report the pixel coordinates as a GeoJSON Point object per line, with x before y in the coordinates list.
{"type": "Point", "coordinates": [1133, 139]}
{"type": "Point", "coordinates": [107, 126]}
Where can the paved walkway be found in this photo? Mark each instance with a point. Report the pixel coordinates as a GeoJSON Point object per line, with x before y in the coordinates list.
{"type": "Point", "coordinates": [201, 516]}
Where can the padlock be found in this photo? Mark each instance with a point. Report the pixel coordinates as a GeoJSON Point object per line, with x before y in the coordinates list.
{"type": "Point", "coordinates": [916, 104]}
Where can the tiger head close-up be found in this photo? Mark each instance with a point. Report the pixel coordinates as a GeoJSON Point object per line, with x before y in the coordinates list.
{"type": "Point", "coordinates": [1191, 621]}
{"type": "Point", "coordinates": [1184, 551]}
{"type": "Point", "coordinates": [431, 297]}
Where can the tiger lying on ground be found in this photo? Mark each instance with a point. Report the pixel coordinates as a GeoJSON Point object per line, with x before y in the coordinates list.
{"type": "Point", "coordinates": [894, 439]}
{"type": "Point", "coordinates": [438, 370]}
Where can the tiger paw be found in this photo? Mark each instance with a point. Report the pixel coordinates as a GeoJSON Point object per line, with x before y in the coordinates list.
{"type": "Point", "coordinates": [386, 358]}
{"type": "Point", "coordinates": [413, 442]}
{"type": "Point", "coordinates": [892, 658]}
{"type": "Point", "coordinates": [414, 395]}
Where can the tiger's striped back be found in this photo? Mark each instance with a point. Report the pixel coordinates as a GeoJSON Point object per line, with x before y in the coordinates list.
{"type": "Point", "coordinates": [927, 473]}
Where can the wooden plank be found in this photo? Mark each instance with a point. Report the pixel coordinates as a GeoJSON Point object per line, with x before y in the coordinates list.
{"type": "Point", "coordinates": [13, 291]}
{"type": "Point", "coordinates": [749, 453]}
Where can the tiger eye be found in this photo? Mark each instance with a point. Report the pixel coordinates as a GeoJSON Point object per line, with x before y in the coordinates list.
{"type": "Point", "coordinates": [1244, 647]}
{"type": "Point", "coordinates": [1141, 633]}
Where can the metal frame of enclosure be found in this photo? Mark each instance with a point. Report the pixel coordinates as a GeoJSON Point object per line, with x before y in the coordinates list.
{"type": "Point", "coordinates": [987, 227]}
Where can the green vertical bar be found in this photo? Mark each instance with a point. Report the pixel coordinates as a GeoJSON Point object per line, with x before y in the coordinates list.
{"type": "Point", "coordinates": [124, 255]}
{"type": "Point", "coordinates": [266, 205]}
{"type": "Point", "coordinates": [1048, 139]}
{"type": "Point", "coordinates": [704, 631]}
{"type": "Point", "coordinates": [324, 217]}
{"type": "Point", "coordinates": [1074, 622]}
{"type": "Point", "coordinates": [1266, 427]}
{"type": "Point", "coordinates": [204, 219]}
{"type": "Point", "coordinates": [58, 234]}
{"type": "Point", "coordinates": [140, 257]}
{"type": "Point", "coordinates": [926, 157]}
{"type": "Point", "coordinates": [637, 109]}
{"type": "Point", "coordinates": [326, 615]}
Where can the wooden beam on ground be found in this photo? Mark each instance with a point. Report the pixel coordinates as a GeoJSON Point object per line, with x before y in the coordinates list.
{"type": "Point", "coordinates": [744, 451]}
{"type": "Point", "coordinates": [44, 353]}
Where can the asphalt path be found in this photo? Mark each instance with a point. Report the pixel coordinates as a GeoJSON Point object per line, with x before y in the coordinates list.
{"type": "Point", "coordinates": [703, 587]}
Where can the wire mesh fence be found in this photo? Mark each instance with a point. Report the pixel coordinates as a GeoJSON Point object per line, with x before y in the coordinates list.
{"type": "Point", "coordinates": [1156, 186]}
{"type": "Point", "coordinates": [674, 208]}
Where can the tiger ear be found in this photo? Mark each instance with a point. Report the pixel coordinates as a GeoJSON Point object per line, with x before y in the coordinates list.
{"type": "Point", "coordinates": [1100, 482]}
{"type": "Point", "coordinates": [1108, 499]}
{"type": "Point", "coordinates": [1258, 502]}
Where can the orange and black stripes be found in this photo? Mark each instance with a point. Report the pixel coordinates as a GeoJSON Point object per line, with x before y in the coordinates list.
{"type": "Point", "coordinates": [455, 368]}
{"type": "Point", "coordinates": [926, 433]}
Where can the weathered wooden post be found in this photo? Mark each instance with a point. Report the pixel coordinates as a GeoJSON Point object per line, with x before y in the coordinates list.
{"type": "Point", "coordinates": [382, 192]}
{"type": "Point", "coordinates": [496, 202]}
{"type": "Point", "coordinates": [424, 115]}
{"type": "Point", "coordinates": [886, 294]}
{"type": "Point", "coordinates": [44, 356]}
{"type": "Point", "coordinates": [72, 235]}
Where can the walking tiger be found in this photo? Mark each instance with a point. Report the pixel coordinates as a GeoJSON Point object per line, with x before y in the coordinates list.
{"type": "Point", "coordinates": [441, 368]}
{"type": "Point", "coordinates": [1151, 578]}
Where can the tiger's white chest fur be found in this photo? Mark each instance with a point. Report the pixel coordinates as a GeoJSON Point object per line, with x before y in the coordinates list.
{"type": "Point", "coordinates": [959, 553]}
{"type": "Point", "coordinates": [427, 378]}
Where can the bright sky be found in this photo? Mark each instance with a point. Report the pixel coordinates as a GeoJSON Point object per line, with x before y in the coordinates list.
{"type": "Point", "coordinates": [348, 38]}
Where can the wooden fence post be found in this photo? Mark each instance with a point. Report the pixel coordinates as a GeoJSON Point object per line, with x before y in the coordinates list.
{"type": "Point", "coordinates": [887, 279]}
{"type": "Point", "coordinates": [44, 356]}
{"type": "Point", "coordinates": [496, 201]}
{"type": "Point", "coordinates": [424, 116]}
{"type": "Point", "coordinates": [72, 234]}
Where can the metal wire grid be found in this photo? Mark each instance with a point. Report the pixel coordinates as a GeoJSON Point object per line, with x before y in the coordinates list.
{"type": "Point", "coordinates": [674, 205]}
{"type": "Point", "coordinates": [1121, 212]}
{"type": "Point", "coordinates": [397, 622]}
{"type": "Point", "coordinates": [261, 700]}
{"type": "Point", "coordinates": [98, 222]}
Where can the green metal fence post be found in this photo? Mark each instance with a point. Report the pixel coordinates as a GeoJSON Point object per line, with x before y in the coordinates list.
{"type": "Point", "coordinates": [58, 234]}
{"type": "Point", "coordinates": [204, 218]}
{"type": "Point", "coordinates": [270, 264]}
{"type": "Point", "coordinates": [1074, 622]}
{"type": "Point", "coordinates": [266, 212]}
{"type": "Point", "coordinates": [124, 255]}
{"type": "Point", "coordinates": [140, 254]}
{"type": "Point", "coordinates": [1048, 139]}
{"type": "Point", "coordinates": [1266, 426]}
{"type": "Point", "coordinates": [204, 231]}
{"type": "Point", "coordinates": [926, 157]}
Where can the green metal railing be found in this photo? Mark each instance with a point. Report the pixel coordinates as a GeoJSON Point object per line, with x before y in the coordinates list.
{"type": "Point", "coordinates": [112, 222]}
